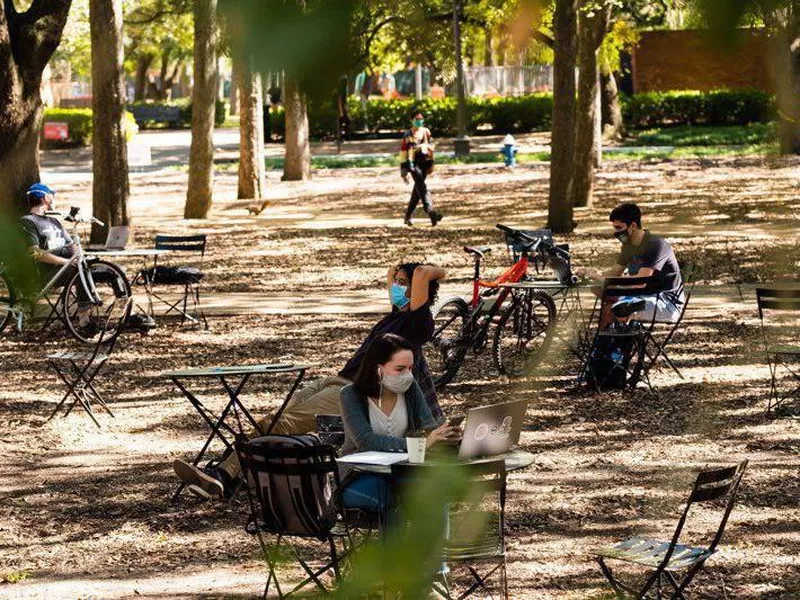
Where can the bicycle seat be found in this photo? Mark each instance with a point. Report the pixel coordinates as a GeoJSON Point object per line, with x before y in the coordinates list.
{"type": "Point", "coordinates": [479, 252]}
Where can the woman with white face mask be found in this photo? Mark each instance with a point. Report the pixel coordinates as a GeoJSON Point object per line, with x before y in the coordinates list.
{"type": "Point", "coordinates": [379, 408]}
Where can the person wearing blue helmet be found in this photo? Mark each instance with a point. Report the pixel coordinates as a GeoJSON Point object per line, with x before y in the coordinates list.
{"type": "Point", "coordinates": [50, 244]}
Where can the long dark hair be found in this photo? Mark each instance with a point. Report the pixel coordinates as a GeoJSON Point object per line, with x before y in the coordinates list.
{"type": "Point", "coordinates": [379, 352]}
{"type": "Point", "coordinates": [433, 285]}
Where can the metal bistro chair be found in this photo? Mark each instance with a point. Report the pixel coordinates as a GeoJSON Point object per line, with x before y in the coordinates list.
{"type": "Point", "coordinates": [779, 315]}
{"type": "Point", "coordinates": [475, 534]}
{"type": "Point", "coordinates": [293, 480]}
{"type": "Point", "coordinates": [188, 277]}
{"type": "Point", "coordinates": [638, 335]}
{"type": "Point", "coordinates": [671, 563]}
{"type": "Point", "coordinates": [659, 344]}
{"type": "Point", "coordinates": [78, 369]}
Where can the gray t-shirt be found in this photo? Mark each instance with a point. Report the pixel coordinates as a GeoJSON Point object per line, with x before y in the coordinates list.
{"type": "Point", "coordinates": [653, 253]}
{"type": "Point", "coordinates": [48, 234]}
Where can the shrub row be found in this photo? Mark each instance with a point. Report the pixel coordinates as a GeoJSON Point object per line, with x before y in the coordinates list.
{"type": "Point", "coordinates": [185, 104]}
{"type": "Point", "coordinates": [719, 107]}
{"type": "Point", "coordinates": [79, 121]}
{"type": "Point", "coordinates": [533, 113]}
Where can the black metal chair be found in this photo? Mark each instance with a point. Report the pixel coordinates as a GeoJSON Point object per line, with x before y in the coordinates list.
{"type": "Point", "coordinates": [635, 335]}
{"type": "Point", "coordinates": [330, 429]}
{"type": "Point", "coordinates": [475, 536]}
{"type": "Point", "coordinates": [672, 565]}
{"type": "Point", "coordinates": [187, 277]}
{"type": "Point", "coordinates": [290, 490]}
{"type": "Point", "coordinates": [657, 344]}
{"type": "Point", "coordinates": [78, 369]}
{"type": "Point", "coordinates": [779, 315]}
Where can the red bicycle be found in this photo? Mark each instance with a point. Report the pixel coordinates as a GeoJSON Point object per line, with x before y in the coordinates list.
{"type": "Point", "coordinates": [523, 326]}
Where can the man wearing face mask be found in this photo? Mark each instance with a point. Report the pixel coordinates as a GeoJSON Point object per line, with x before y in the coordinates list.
{"type": "Point", "coordinates": [642, 255]}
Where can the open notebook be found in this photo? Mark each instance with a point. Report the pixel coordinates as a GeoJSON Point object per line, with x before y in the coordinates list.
{"type": "Point", "coordinates": [374, 458]}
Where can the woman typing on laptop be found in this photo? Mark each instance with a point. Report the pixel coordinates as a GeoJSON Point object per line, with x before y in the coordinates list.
{"type": "Point", "coordinates": [383, 403]}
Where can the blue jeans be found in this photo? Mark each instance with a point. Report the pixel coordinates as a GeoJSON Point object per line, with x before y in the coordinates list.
{"type": "Point", "coordinates": [368, 491]}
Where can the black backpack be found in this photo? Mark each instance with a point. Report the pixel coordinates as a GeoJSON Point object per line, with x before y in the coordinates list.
{"type": "Point", "coordinates": [611, 357]}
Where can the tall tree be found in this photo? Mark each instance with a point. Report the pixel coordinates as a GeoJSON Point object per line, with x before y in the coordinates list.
{"type": "Point", "coordinates": [27, 41]}
{"type": "Point", "coordinates": [110, 187]}
{"type": "Point", "coordinates": [297, 162]}
{"type": "Point", "coordinates": [199, 194]}
{"type": "Point", "coordinates": [593, 22]}
{"type": "Point", "coordinates": [562, 142]}
{"type": "Point", "coordinates": [252, 174]}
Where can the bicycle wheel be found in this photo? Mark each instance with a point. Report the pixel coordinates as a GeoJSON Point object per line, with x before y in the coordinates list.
{"type": "Point", "coordinates": [87, 320]}
{"type": "Point", "coordinates": [524, 333]}
{"type": "Point", "coordinates": [7, 300]}
{"type": "Point", "coordinates": [446, 350]}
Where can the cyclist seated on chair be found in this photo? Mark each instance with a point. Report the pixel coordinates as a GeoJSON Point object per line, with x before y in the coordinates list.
{"type": "Point", "coordinates": [50, 244]}
{"type": "Point", "coordinates": [643, 255]}
{"type": "Point", "coordinates": [412, 290]}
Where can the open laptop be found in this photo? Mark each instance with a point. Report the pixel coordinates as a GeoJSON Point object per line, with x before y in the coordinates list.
{"type": "Point", "coordinates": [492, 430]}
{"type": "Point", "coordinates": [117, 239]}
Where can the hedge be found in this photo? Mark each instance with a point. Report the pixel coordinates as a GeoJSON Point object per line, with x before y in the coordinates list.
{"type": "Point", "coordinates": [79, 121]}
{"type": "Point", "coordinates": [719, 107]}
{"type": "Point", "coordinates": [533, 112]}
{"type": "Point", "coordinates": [185, 105]}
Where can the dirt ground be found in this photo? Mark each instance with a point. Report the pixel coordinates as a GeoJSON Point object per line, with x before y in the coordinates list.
{"type": "Point", "coordinates": [85, 512]}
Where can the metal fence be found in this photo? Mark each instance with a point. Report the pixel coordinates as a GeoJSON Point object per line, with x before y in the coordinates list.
{"type": "Point", "coordinates": [508, 81]}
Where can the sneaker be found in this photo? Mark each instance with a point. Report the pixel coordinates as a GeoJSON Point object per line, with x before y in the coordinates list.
{"type": "Point", "coordinates": [408, 222]}
{"type": "Point", "coordinates": [435, 217]}
{"type": "Point", "coordinates": [207, 482]}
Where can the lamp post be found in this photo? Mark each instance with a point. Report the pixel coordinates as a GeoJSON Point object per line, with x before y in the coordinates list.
{"type": "Point", "coordinates": [461, 143]}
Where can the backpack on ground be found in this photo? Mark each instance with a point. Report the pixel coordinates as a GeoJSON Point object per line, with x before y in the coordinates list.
{"type": "Point", "coordinates": [609, 364]}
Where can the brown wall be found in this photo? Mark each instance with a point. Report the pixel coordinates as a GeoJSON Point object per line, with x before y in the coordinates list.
{"type": "Point", "coordinates": [685, 60]}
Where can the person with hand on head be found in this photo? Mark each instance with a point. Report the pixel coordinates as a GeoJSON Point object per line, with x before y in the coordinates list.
{"type": "Point", "coordinates": [412, 289]}
{"type": "Point", "coordinates": [416, 159]}
{"type": "Point", "coordinates": [379, 408]}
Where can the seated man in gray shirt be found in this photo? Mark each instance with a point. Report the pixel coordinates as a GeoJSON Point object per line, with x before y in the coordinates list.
{"type": "Point", "coordinates": [642, 255]}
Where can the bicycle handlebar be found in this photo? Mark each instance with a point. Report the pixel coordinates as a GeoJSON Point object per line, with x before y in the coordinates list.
{"type": "Point", "coordinates": [73, 217]}
{"type": "Point", "coordinates": [535, 242]}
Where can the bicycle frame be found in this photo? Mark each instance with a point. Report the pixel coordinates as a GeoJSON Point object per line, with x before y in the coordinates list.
{"type": "Point", "coordinates": [79, 260]}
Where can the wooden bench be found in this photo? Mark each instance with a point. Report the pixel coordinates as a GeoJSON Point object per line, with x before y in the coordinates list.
{"type": "Point", "coordinates": [156, 113]}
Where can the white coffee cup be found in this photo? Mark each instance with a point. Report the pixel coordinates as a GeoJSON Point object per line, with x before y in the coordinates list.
{"type": "Point", "coordinates": [416, 449]}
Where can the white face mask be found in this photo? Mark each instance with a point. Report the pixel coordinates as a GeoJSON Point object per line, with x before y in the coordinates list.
{"type": "Point", "coordinates": [398, 384]}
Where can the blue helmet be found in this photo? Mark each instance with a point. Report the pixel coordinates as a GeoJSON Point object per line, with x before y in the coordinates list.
{"type": "Point", "coordinates": [39, 190]}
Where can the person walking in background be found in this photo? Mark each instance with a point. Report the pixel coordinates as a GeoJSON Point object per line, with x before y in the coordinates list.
{"type": "Point", "coordinates": [416, 159]}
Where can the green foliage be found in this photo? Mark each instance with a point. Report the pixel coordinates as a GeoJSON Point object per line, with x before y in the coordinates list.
{"type": "Point", "coordinates": [185, 105]}
{"type": "Point", "coordinates": [519, 114]}
{"type": "Point", "coordinates": [688, 135]}
{"type": "Point", "coordinates": [17, 264]}
{"type": "Point", "coordinates": [79, 121]}
{"type": "Point", "coordinates": [719, 107]}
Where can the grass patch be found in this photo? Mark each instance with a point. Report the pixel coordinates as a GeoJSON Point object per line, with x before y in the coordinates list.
{"type": "Point", "coordinates": [705, 135]}
{"type": "Point", "coordinates": [15, 576]}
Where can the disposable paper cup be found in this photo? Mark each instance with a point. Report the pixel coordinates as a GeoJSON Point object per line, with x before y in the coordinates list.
{"type": "Point", "coordinates": [416, 449]}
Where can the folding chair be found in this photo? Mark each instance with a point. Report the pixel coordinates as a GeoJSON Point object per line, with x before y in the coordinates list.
{"type": "Point", "coordinates": [779, 315]}
{"type": "Point", "coordinates": [475, 536]}
{"type": "Point", "coordinates": [635, 333]}
{"type": "Point", "coordinates": [292, 479]}
{"type": "Point", "coordinates": [187, 277]}
{"type": "Point", "coordinates": [79, 369]}
{"type": "Point", "coordinates": [660, 345]}
{"type": "Point", "coordinates": [671, 564]}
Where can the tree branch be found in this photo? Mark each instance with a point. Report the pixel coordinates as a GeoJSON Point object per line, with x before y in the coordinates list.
{"type": "Point", "coordinates": [37, 34]}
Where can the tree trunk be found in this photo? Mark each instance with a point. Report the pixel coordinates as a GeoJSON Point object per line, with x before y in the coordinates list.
{"type": "Point", "coordinates": [110, 188]}
{"type": "Point", "coordinates": [204, 95]}
{"type": "Point", "coordinates": [565, 32]}
{"type": "Point", "coordinates": [612, 111]}
{"type": "Point", "coordinates": [234, 95]}
{"type": "Point", "coordinates": [785, 49]}
{"type": "Point", "coordinates": [591, 31]}
{"type": "Point", "coordinates": [297, 162]}
{"type": "Point", "coordinates": [34, 36]}
{"type": "Point", "coordinates": [488, 51]}
{"type": "Point", "coordinates": [252, 175]}
{"type": "Point", "coordinates": [140, 83]}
